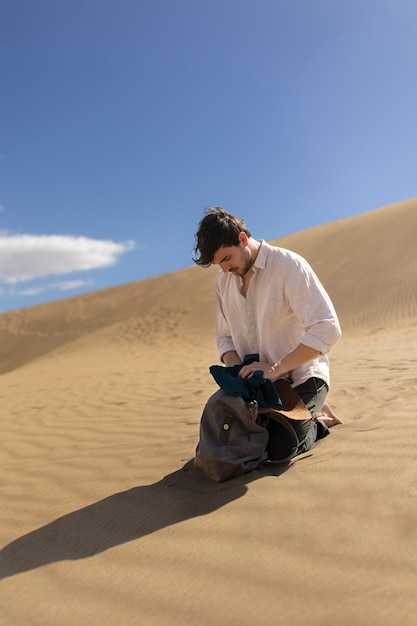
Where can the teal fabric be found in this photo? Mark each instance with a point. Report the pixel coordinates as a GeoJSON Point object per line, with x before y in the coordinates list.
{"type": "Point", "coordinates": [257, 387]}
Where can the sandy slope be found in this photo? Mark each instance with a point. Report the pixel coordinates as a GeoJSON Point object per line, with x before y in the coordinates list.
{"type": "Point", "coordinates": [104, 523]}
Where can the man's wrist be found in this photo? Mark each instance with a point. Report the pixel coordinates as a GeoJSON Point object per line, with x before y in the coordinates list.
{"type": "Point", "coordinates": [230, 358]}
{"type": "Point", "coordinates": [276, 369]}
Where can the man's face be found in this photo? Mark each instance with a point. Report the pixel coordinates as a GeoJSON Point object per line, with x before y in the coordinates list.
{"type": "Point", "coordinates": [234, 259]}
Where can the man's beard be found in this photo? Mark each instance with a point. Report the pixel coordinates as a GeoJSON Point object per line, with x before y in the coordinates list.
{"type": "Point", "coordinates": [246, 268]}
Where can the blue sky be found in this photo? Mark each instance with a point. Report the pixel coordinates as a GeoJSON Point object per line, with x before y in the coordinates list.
{"type": "Point", "coordinates": [120, 120]}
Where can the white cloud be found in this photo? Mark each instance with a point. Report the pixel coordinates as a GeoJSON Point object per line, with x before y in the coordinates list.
{"type": "Point", "coordinates": [31, 291]}
{"type": "Point", "coordinates": [27, 257]}
{"type": "Point", "coordinates": [1, 208]}
{"type": "Point", "coordinates": [65, 285]}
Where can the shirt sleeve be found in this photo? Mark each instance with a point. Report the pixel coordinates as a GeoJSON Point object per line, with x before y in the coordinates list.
{"type": "Point", "coordinates": [312, 306]}
{"type": "Point", "coordinates": [223, 335]}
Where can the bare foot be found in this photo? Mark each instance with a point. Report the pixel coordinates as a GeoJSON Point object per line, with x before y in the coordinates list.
{"type": "Point", "coordinates": [328, 416]}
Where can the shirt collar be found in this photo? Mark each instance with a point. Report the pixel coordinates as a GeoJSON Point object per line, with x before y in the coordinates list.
{"type": "Point", "coordinates": [261, 257]}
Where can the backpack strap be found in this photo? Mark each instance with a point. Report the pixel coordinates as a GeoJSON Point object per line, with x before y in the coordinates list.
{"type": "Point", "coordinates": [292, 406]}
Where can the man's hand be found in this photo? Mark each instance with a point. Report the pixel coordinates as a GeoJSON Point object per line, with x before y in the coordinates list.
{"type": "Point", "coordinates": [267, 368]}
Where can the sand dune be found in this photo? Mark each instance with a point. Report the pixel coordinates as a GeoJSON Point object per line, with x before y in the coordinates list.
{"type": "Point", "coordinates": [368, 264]}
{"type": "Point", "coordinates": [103, 521]}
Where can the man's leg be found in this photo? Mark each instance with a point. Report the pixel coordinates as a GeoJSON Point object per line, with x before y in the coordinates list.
{"type": "Point", "coordinates": [313, 393]}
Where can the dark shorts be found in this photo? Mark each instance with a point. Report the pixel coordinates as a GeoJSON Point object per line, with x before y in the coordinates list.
{"type": "Point", "coordinates": [313, 393]}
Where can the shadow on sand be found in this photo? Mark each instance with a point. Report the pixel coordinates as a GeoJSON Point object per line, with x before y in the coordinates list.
{"type": "Point", "coordinates": [124, 517]}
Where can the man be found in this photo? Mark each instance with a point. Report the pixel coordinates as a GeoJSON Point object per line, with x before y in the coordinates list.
{"type": "Point", "coordinates": [270, 302]}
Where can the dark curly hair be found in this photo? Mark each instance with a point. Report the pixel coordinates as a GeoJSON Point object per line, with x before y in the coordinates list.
{"type": "Point", "coordinates": [217, 228]}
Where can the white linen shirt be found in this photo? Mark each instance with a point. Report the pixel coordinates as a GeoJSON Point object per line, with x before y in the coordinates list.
{"type": "Point", "coordinates": [285, 305]}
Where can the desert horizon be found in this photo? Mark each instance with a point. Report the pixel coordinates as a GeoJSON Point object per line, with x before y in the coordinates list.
{"type": "Point", "coordinates": [103, 521]}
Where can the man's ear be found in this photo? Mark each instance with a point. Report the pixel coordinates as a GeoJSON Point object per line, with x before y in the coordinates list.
{"type": "Point", "coordinates": [243, 238]}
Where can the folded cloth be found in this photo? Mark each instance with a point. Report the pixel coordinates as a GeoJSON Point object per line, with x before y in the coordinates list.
{"type": "Point", "coordinates": [256, 387]}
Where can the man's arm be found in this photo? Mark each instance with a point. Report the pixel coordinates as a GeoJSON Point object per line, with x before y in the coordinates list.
{"type": "Point", "coordinates": [300, 355]}
{"type": "Point", "coordinates": [231, 358]}
{"type": "Point", "coordinates": [224, 341]}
